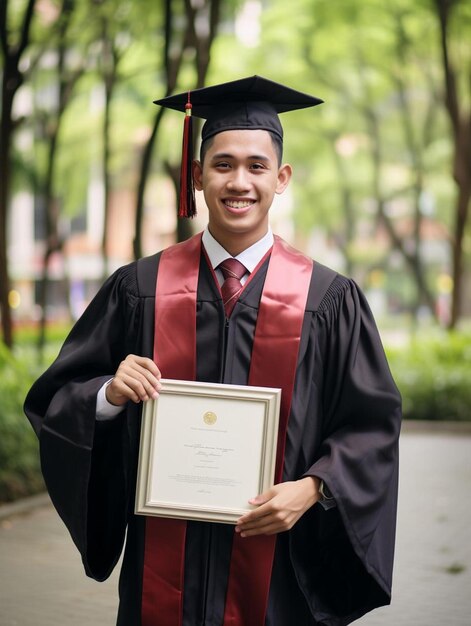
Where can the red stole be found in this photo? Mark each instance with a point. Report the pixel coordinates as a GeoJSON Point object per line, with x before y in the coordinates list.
{"type": "Point", "coordinates": [274, 358]}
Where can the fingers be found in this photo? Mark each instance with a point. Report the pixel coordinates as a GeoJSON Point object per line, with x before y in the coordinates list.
{"type": "Point", "coordinates": [272, 528]}
{"type": "Point", "coordinates": [137, 379]}
{"type": "Point", "coordinates": [278, 509]}
{"type": "Point", "coordinates": [268, 521]}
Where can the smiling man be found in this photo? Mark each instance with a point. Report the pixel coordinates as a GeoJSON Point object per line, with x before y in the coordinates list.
{"type": "Point", "coordinates": [239, 176]}
{"type": "Point", "coordinates": [234, 304]}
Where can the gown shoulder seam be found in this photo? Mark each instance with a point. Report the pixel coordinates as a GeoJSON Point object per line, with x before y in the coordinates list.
{"type": "Point", "coordinates": [336, 290]}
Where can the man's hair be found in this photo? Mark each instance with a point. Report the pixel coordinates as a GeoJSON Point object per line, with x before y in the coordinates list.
{"type": "Point", "coordinates": [276, 140]}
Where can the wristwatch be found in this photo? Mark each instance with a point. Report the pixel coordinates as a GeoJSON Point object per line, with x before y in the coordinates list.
{"type": "Point", "coordinates": [324, 492]}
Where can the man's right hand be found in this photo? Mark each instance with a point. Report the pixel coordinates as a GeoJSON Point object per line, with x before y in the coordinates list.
{"type": "Point", "coordinates": [137, 379]}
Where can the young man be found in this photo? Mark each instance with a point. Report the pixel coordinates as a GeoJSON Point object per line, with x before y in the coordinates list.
{"type": "Point", "coordinates": [317, 548]}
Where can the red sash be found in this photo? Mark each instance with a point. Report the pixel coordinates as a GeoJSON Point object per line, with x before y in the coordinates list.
{"type": "Point", "coordinates": [175, 353]}
{"type": "Point", "coordinates": [274, 358]}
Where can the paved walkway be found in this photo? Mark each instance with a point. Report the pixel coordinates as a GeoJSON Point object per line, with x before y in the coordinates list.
{"type": "Point", "coordinates": [42, 584]}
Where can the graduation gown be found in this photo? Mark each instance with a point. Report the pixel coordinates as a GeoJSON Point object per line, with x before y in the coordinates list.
{"type": "Point", "coordinates": [333, 565]}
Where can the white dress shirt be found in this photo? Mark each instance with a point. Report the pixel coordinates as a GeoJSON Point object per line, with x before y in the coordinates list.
{"type": "Point", "coordinates": [250, 258]}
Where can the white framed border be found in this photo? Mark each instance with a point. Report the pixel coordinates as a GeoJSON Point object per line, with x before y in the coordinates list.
{"type": "Point", "coordinates": [205, 449]}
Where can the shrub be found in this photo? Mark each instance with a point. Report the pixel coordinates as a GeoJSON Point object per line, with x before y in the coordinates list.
{"type": "Point", "coordinates": [434, 377]}
{"type": "Point", "coordinates": [19, 461]}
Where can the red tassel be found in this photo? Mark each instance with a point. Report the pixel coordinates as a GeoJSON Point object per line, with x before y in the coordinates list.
{"type": "Point", "coordinates": [187, 204]}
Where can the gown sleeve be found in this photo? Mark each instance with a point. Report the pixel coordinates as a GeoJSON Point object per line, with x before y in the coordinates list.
{"type": "Point", "coordinates": [357, 458]}
{"type": "Point", "coordinates": [82, 460]}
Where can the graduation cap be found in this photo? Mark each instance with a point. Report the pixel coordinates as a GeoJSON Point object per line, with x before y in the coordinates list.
{"type": "Point", "coordinates": [251, 103]}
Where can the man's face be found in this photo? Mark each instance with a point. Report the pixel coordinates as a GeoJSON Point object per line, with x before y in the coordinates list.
{"type": "Point", "coordinates": [239, 178]}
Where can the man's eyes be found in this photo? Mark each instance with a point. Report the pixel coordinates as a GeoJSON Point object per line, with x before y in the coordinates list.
{"type": "Point", "coordinates": [252, 166]}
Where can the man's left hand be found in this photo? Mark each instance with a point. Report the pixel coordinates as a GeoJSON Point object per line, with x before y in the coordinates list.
{"type": "Point", "coordinates": [279, 508]}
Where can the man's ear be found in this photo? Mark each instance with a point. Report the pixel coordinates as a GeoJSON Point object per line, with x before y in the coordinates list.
{"type": "Point", "coordinates": [284, 176]}
{"type": "Point", "coordinates": [197, 175]}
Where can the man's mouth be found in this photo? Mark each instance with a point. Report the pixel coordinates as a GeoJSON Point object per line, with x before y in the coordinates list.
{"type": "Point", "coordinates": [238, 204]}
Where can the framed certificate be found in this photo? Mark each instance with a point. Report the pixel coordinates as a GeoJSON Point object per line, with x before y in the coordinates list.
{"type": "Point", "coordinates": [205, 449]}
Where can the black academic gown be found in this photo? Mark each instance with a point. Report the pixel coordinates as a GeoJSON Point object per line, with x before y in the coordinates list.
{"type": "Point", "coordinates": [334, 565]}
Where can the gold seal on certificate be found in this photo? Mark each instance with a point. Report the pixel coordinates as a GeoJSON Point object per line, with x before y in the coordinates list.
{"type": "Point", "coordinates": [210, 418]}
{"type": "Point", "coordinates": [202, 464]}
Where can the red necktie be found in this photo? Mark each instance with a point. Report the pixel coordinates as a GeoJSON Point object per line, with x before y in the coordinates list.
{"type": "Point", "coordinates": [232, 270]}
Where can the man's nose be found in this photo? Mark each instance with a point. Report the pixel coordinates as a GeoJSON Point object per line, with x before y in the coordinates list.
{"type": "Point", "coordinates": [239, 180]}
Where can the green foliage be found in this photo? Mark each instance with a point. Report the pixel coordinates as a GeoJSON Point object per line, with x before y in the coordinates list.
{"type": "Point", "coordinates": [20, 473]}
{"type": "Point", "coordinates": [433, 376]}
{"type": "Point", "coordinates": [19, 459]}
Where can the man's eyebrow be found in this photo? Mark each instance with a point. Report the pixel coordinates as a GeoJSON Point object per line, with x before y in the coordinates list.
{"type": "Point", "coordinates": [228, 155]}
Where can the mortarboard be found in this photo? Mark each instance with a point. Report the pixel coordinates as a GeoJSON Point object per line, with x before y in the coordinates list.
{"type": "Point", "coordinates": [251, 103]}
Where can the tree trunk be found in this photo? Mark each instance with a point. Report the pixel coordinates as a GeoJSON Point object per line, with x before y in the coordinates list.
{"type": "Point", "coordinates": [6, 127]}
{"type": "Point", "coordinates": [141, 187]}
{"type": "Point", "coordinates": [54, 242]}
{"type": "Point", "coordinates": [460, 121]}
{"type": "Point", "coordinates": [462, 212]}
{"type": "Point", "coordinates": [110, 62]}
{"type": "Point", "coordinates": [11, 80]}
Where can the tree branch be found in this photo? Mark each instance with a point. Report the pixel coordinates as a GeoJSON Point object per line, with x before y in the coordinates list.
{"type": "Point", "coordinates": [214, 15]}
{"type": "Point", "coordinates": [451, 95]}
{"type": "Point", "coordinates": [25, 28]}
{"type": "Point", "coordinates": [3, 28]}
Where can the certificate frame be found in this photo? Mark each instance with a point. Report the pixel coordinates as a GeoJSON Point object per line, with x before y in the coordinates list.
{"type": "Point", "coordinates": [205, 449]}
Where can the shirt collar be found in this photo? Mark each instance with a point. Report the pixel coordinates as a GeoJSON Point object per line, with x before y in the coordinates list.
{"type": "Point", "coordinates": [250, 257]}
